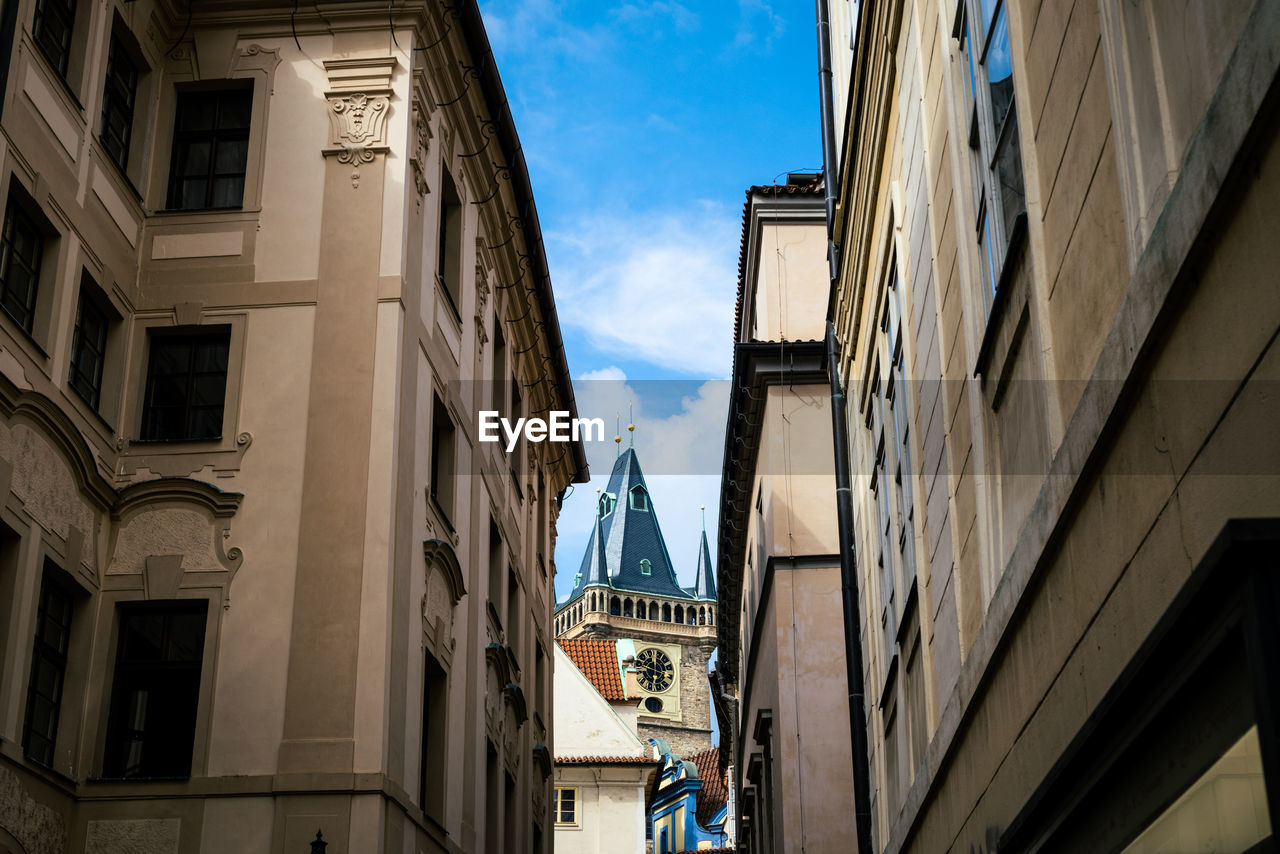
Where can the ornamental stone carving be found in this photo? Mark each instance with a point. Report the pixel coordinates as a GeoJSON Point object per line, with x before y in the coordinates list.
{"type": "Point", "coordinates": [359, 102]}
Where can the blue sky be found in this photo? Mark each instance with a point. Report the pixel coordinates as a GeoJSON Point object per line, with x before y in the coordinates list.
{"type": "Point", "coordinates": [643, 123]}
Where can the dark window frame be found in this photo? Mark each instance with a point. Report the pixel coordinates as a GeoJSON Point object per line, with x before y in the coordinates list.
{"type": "Point", "coordinates": [449, 245]}
{"type": "Point", "coordinates": [193, 337]}
{"type": "Point", "coordinates": [119, 102]}
{"type": "Point", "coordinates": [164, 676]}
{"type": "Point", "coordinates": [444, 460]}
{"type": "Point", "coordinates": [995, 147]}
{"type": "Point", "coordinates": [226, 102]}
{"type": "Point", "coordinates": [87, 381]}
{"type": "Point", "coordinates": [47, 679]}
{"type": "Point", "coordinates": [19, 223]}
{"type": "Point", "coordinates": [51, 14]}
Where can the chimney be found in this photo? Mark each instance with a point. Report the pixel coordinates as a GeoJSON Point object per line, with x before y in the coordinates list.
{"type": "Point", "coordinates": [630, 683]}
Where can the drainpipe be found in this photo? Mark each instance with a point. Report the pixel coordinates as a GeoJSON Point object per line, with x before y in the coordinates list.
{"type": "Point", "coordinates": [849, 596]}
{"type": "Point", "coordinates": [829, 164]}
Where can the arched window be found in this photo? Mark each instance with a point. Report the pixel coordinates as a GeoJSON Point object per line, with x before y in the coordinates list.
{"type": "Point", "coordinates": [693, 616]}
{"type": "Point", "coordinates": [702, 616]}
{"type": "Point", "coordinates": [607, 502]}
{"type": "Point", "coordinates": [640, 609]}
{"type": "Point", "coordinates": [711, 616]}
{"type": "Point", "coordinates": [646, 568]}
{"type": "Point", "coordinates": [615, 606]}
{"type": "Point", "coordinates": [666, 612]}
{"type": "Point", "coordinates": [628, 609]}
{"type": "Point", "coordinates": [639, 498]}
{"type": "Point", "coordinates": [653, 610]}
{"type": "Point", "coordinates": [679, 613]}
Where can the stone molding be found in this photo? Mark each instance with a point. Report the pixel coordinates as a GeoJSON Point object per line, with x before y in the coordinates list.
{"type": "Point", "coordinates": [359, 101]}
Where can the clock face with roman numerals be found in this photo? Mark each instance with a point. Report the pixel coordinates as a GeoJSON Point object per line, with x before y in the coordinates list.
{"type": "Point", "coordinates": [654, 670]}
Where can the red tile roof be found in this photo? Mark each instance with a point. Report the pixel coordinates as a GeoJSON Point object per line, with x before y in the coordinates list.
{"type": "Point", "coordinates": [598, 661]}
{"type": "Point", "coordinates": [606, 760]}
{"type": "Point", "coordinates": [802, 187]}
{"type": "Point", "coordinates": [713, 771]}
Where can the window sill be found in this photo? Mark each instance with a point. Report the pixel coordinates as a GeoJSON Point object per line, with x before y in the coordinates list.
{"type": "Point", "coordinates": [25, 339]}
{"type": "Point", "coordinates": [442, 515]}
{"type": "Point", "coordinates": [62, 81]}
{"type": "Point", "coordinates": [192, 444]}
{"type": "Point", "coordinates": [101, 152]}
{"type": "Point", "coordinates": [454, 313]}
{"type": "Point", "coordinates": [89, 410]}
{"type": "Point", "coordinates": [1000, 305]}
{"type": "Point", "coordinates": [143, 780]}
{"type": "Point", "coordinates": [890, 678]}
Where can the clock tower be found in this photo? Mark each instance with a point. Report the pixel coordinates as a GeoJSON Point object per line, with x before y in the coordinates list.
{"type": "Point", "coordinates": [626, 589]}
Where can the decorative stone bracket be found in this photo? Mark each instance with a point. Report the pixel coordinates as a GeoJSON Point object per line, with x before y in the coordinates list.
{"type": "Point", "coordinates": [359, 101]}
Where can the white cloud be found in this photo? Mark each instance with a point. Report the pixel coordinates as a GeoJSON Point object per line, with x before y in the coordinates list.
{"type": "Point", "coordinates": [656, 13]}
{"type": "Point", "coordinates": [540, 28]}
{"type": "Point", "coordinates": [613, 373]}
{"type": "Point", "coordinates": [680, 453]}
{"type": "Point", "coordinates": [653, 286]}
{"type": "Point", "coordinates": [758, 25]}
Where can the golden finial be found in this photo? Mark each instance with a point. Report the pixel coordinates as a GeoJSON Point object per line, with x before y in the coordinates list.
{"type": "Point", "coordinates": [617, 425]}
{"type": "Point", "coordinates": [631, 427]}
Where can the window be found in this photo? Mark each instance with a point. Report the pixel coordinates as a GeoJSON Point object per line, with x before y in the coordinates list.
{"type": "Point", "coordinates": [607, 502]}
{"type": "Point", "coordinates": [186, 385]}
{"type": "Point", "coordinates": [639, 499]}
{"type": "Point", "coordinates": [118, 97]}
{"type": "Point", "coordinates": [499, 365]}
{"type": "Point", "coordinates": [516, 457]}
{"type": "Point", "coordinates": [646, 568]}
{"type": "Point", "coordinates": [993, 132]}
{"type": "Point", "coordinates": [513, 609]}
{"type": "Point", "coordinates": [89, 348]}
{"type": "Point", "coordinates": [431, 769]}
{"type": "Point", "coordinates": [52, 29]}
{"type": "Point", "coordinates": [210, 149]}
{"type": "Point", "coordinates": [492, 800]}
{"type": "Point", "coordinates": [497, 562]}
{"type": "Point", "coordinates": [509, 826]}
{"type": "Point", "coordinates": [884, 523]}
{"type": "Point", "coordinates": [449, 248]}
{"type": "Point", "coordinates": [443, 452]}
{"type": "Point", "coordinates": [565, 806]}
{"type": "Point", "coordinates": [21, 253]}
{"type": "Point", "coordinates": [48, 671]}
{"type": "Point", "coordinates": [155, 690]}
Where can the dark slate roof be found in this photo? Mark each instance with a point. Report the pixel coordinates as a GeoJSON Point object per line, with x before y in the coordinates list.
{"type": "Point", "coordinates": [704, 587]}
{"type": "Point", "coordinates": [624, 536]}
{"type": "Point", "coordinates": [594, 569]}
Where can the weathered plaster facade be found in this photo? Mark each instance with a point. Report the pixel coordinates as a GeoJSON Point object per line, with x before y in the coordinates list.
{"type": "Point", "coordinates": [332, 530]}
{"type": "Point", "coordinates": [781, 628]}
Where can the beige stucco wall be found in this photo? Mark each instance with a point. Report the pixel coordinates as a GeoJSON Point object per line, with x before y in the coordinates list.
{"type": "Point", "coordinates": [303, 527]}
{"type": "Point", "coordinates": [611, 810]}
{"type": "Point", "coordinates": [1038, 580]}
{"type": "Point", "coordinates": [791, 260]}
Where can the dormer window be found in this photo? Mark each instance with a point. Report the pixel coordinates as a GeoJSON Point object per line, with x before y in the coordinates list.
{"type": "Point", "coordinates": [639, 499]}
{"type": "Point", "coordinates": [646, 568]}
{"type": "Point", "coordinates": [577, 579]}
{"type": "Point", "coordinates": [607, 502]}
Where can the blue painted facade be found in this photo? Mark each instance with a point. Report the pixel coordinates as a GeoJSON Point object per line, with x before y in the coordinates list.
{"type": "Point", "coordinates": [673, 817]}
